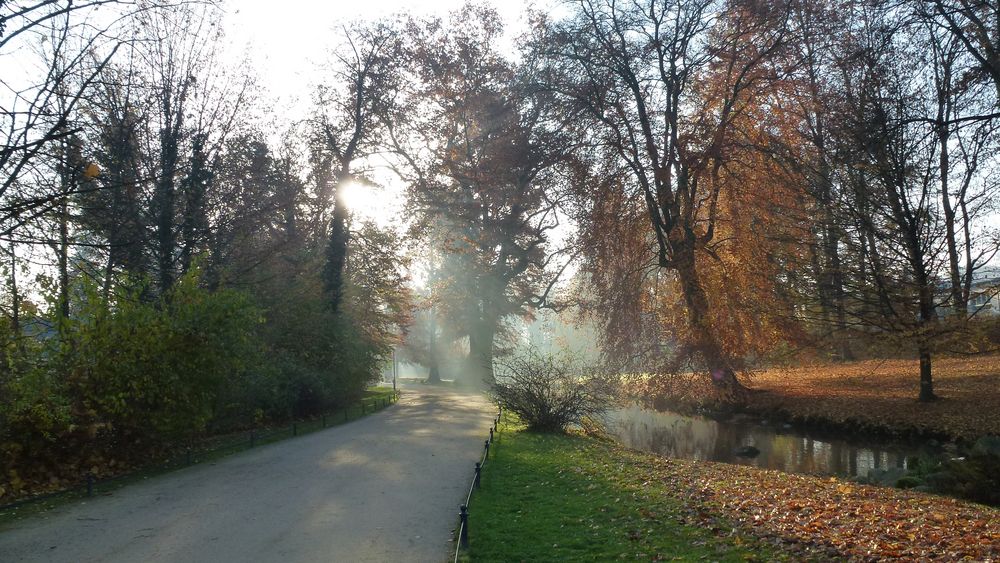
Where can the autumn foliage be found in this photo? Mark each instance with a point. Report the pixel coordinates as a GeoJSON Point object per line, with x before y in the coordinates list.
{"type": "Point", "coordinates": [875, 396]}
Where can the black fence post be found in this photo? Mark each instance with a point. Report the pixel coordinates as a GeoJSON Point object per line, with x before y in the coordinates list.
{"type": "Point", "coordinates": [362, 407]}
{"type": "Point", "coordinates": [90, 485]}
{"type": "Point", "coordinates": [479, 469]}
{"type": "Point", "coordinates": [463, 536]}
{"type": "Point", "coordinates": [295, 429]}
{"type": "Point", "coordinates": [491, 435]}
{"type": "Point", "coordinates": [253, 438]}
{"type": "Point", "coordinates": [187, 456]}
{"type": "Point", "coordinates": [324, 421]}
{"type": "Point", "coordinates": [345, 415]}
{"type": "Point", "coordinates": [487, 447]}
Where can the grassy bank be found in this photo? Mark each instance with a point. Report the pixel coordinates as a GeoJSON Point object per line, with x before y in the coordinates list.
{"type": "Point", "coordinates": [576, 498]}
{"type": "Point", "coordinates": [874, 396]}
{"type": "Point", "coordinates": [573, 498]}
{"type": "Point", "coordinates": [209, 449]}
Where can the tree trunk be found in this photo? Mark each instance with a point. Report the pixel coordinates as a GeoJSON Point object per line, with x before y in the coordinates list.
{"type": "Point", "coordinates": [195, 187]}
{"type": "Point", "coordinates": [927, 317]}
{"type": "Point", "coordinates": [165, 213]}
{"type": "Point", "coordinates": [944, 166]}
{"type": "Point", "coordinates": [434, 371]}
{"type": "Point", "coordinates": [837, 288]}
{"type": "Point", "coordinates": [481, 353]}
{"type": "Point", "coordinates": [15, 306]}
{"type": "Point", "coordinates": [704, 342]}
{"type": "Point", "coordinates": [63, 258]}
{"type": "Point", "coordinates": [336, 254]}
{"type": "Point", "coordinates": [926, 383]}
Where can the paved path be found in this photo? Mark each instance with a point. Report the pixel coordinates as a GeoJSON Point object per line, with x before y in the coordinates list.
{"type": "Point", "coordinates": [382, 488]}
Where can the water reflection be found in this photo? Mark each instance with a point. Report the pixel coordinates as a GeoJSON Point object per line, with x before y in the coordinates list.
{"type": "Point", "coordinates": [785, 449]}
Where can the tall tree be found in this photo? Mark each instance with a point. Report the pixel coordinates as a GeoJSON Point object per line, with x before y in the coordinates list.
{"type": "Point", "coordinates": [487, 186]}
{"type": "Point", "coordinates": [365, 80]}
{"type": "Point", "coordinates": [664, 83]}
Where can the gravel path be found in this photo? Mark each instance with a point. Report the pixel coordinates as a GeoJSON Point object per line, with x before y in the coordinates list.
{"type": "Point", "coordinates": [382, 488]}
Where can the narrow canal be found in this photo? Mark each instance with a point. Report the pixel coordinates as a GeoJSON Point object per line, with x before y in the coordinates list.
{"type": "Point", "coordinates": [756, 442]}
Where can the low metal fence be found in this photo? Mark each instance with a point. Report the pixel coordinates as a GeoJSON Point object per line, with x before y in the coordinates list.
{"type": "Point", "coordinates": [463, 509]}
{"type": "Point", "coordinates": [89, 484]}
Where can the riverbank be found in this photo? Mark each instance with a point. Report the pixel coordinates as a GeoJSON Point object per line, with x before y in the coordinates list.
{"type": "Point", "coordinates": [573, 497]}
{"type": "Point", "coordinates": [875, 397]}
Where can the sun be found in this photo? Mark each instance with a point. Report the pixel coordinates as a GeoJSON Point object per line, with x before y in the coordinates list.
{"type": "Point", "coordinates": [361, 199]}
{"type": "Point", "coordinates": [371, 202]}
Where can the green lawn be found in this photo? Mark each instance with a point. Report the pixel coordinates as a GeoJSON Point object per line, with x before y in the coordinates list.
{"type": "Point", "coordinates": [575, 498]}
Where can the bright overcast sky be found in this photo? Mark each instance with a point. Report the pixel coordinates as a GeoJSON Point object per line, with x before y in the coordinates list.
{"type": "Point", "coordinates": [286, 39]}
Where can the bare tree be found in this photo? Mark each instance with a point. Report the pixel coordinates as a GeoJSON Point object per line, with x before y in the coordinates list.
{"type": "Point", "coordinates": [975, 24]}
{"type": "Point", "coordinates": [641, 70]}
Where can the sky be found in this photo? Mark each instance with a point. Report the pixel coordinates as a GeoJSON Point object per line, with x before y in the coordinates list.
{"type": "Point", "coordinates": [286, 45]}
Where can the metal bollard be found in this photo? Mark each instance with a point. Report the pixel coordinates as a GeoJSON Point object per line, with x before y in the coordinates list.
{"type": "Point", "coordinates": [345, 415]}
{"type": "Point", "coordinates": [295, 429]}
{"type": "Point", "coordinates": [187, 456]}
{"type": "Point", "coordinates": [463, 537]}
{"type": "Point", "coordinates": [324, 421]}
{"type": "Point", "coordinates": [491, 435]}
{"type": "Point", "coordinates": [487, 447]}
{"type": "Point", "coordinates": [362, 407]}
{"type": "Point", "coordinates": [479, 470]}
{"type": "Point", "coordinates": [90, 485]}
{"type": "Point", "coordinates": [253, 438]}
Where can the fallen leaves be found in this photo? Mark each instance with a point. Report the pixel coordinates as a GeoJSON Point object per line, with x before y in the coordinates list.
{"type": "Point", "coordinates": [881, 395]}
{"type": "Point", "coordinates": [829, 516]}
{"type": "Point", "coordinates": [874, 395]}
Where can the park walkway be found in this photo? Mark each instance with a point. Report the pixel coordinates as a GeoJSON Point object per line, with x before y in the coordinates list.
{"type": "Point", "coordinates": [382, 488]}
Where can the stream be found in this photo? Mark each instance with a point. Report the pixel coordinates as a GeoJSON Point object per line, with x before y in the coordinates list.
{"type": "Point", "coordinates": [781, 446]}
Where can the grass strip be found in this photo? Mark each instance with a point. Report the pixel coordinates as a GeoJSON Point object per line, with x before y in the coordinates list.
{"type": "Point", "coordinates": [571, 497]}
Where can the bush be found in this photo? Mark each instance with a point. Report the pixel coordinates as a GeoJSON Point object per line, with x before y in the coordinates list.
{"type": "Point", "coordinates": [320, 360]}
{"type": "Point", "coordinates": [151, 371]}
{"type": "Point", "coordinates": [122, 382]}
{"type": "Point", "coordinates": [548, 391]}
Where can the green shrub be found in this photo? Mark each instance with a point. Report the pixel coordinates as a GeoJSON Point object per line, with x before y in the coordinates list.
{"type": "Point", "coordinates": [152, 371]}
